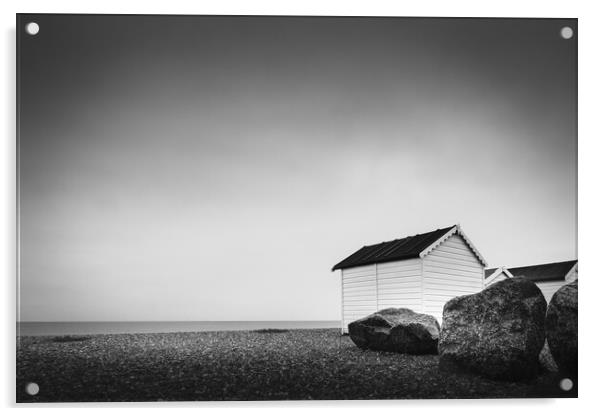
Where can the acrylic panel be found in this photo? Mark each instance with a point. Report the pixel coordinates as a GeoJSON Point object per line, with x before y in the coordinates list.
{"type": "Point", "coordinates": [296, 208]}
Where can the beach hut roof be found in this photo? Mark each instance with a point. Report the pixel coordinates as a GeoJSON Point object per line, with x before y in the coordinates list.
{"type": "Point", "coordinates": [416, 246]}
{"type": "Point", "coordinates": [544, 272]}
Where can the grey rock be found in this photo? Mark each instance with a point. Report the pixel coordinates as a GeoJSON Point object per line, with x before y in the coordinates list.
{"type": "Point", "coordinates": [561, 327]}
{"type": "Point", "coordinates": [498, 332]}
{"type": "Point", "coordinates": [397, 330]}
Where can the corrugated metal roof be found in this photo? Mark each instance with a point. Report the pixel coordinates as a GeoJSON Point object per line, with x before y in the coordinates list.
{"type": "Point", "coordinates": [544, 272]}
{"type": "Point", "coordinates": [400, 249]}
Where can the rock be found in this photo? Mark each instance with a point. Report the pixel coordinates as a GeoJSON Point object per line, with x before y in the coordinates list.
{"type": "Point", "coordinates": [546, 360]}
{"type": "Point", "coordinates": [497, 332]}
{"type": "Point", "coordinates": [397, 330]}
{"type": "Point", "coordinates": [561, 327]}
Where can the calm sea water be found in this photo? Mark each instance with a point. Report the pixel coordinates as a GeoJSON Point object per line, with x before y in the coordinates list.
{"type": "Point", "coordinates": [79, 328]}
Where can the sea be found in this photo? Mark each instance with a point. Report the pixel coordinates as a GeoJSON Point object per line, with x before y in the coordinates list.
{"type": "Point", "coordinates": [146, 327]}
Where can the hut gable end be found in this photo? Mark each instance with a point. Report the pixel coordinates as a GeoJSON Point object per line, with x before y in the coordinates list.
{"type": "Point", "coordinates": [458, 235]}
{"type": "Point", "coordinates": [450, 269]}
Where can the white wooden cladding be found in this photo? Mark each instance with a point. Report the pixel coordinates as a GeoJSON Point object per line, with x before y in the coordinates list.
{"type": "Point", "coordinates": [450, 270]}
{"type": "Point", "coordinates": [359, 293]}
{"type": "Point", "coordinates": [367, 289]}
{"type": "Point", "coordinates": [399, 284]}
{"type": "Point", "coordinates": [423, 285]}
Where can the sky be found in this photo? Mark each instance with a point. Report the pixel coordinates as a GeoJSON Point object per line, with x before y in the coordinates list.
{"type": "Point", "coordinates": [216, 168]}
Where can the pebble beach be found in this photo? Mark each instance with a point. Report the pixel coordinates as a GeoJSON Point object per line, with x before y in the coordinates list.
{"type": "Point", "coordinates": [299, 364]}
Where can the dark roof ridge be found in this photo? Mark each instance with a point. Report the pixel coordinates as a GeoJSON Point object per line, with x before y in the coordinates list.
{"type": "Point", "coordinates": [543, 264]}
{"type": "Point", "coordinates": [398, 249]}
{"type": "Point", "coordinates": [411, 236]}
{"type": "Point", "coordinates": [556, 271]}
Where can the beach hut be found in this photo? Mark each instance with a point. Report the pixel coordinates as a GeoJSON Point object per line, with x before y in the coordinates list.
{"type": "Point", "coordinates": [419, 272]}
{"type": "Point", "coordinates": [548, 277]}
{"type": "Point", "coordinates": [495, 275]}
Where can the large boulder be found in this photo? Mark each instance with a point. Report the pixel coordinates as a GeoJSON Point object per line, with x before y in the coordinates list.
{"type": "Point", "coordinates": [497, 332]}
{"type": "Point", "coordinates": [561, 327]}
{"type": "Point", "coordinates": [397, 330]}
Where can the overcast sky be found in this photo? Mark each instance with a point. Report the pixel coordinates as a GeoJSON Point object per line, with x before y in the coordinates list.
{"type": "Point", "coordinates": [216, 168]}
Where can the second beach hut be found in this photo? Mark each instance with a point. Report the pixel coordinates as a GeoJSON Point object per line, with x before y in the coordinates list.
{"type": "Point", "coordinates": [420, 272]}
{"type": "Point", "coordinates": [549, 277]}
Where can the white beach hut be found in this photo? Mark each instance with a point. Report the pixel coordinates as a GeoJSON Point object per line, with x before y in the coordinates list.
{"type": "Point", "coordinates": [548, 277]}
{"type": "Point", "coordinates": [419, 272]}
